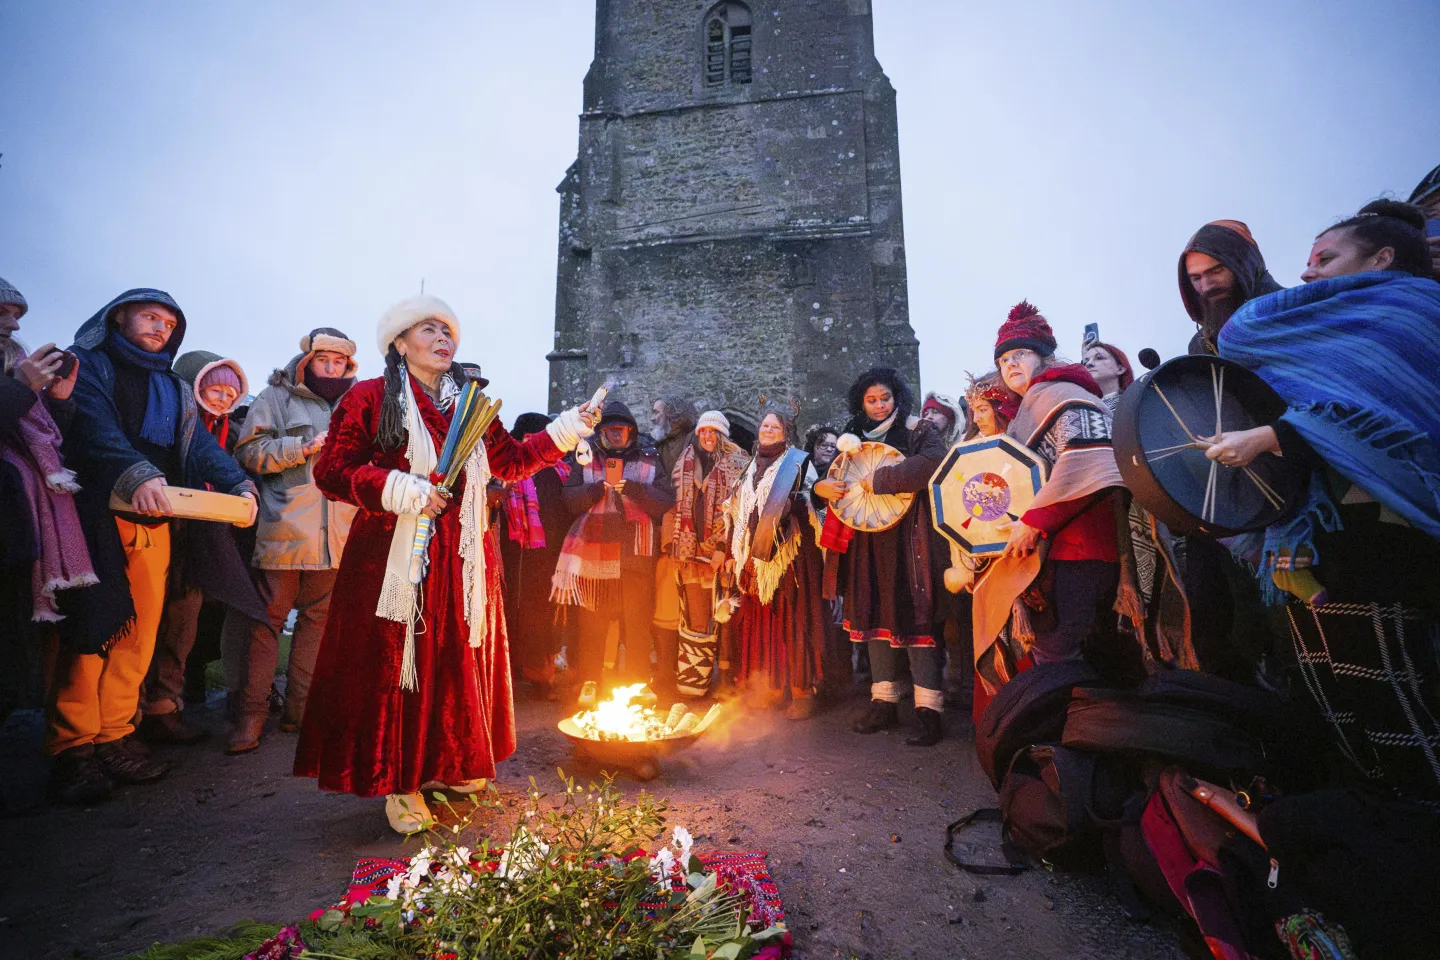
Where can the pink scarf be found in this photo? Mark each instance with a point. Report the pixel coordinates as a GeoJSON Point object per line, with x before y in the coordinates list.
{"type": "Point", "coordinates": [522, 511]}
{"type": "Point", "coordinates": [64, 561]}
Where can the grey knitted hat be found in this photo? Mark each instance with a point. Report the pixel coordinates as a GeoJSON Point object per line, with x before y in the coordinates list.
{"type": "Point", "coordinates": [8, 294]}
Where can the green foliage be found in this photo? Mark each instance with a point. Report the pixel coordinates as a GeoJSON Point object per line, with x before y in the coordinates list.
{"type": "Point", "coordinates": [232, 943]}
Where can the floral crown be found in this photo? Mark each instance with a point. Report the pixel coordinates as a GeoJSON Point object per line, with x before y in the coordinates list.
{"type": "Point", "coordinates": [988, 388]}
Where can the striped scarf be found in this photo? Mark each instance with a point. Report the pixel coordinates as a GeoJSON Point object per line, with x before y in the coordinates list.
{"type": "Point", "coordinates": [522, 511]}
{"type": "Point", "coordinates": [589, 561]}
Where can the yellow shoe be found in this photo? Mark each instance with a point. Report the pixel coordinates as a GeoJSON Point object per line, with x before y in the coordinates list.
{"type": "Point", "coordinates": [407, 812]}
{"type": "Point", "coordinates": [464, 786]}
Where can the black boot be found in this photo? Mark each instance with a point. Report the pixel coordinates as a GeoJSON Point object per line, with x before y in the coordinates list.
{"type": "Point", "coordinates": [77, 779]}
{"type": "Point", "coordinates": [930, 731]}
{"type": "Point", "coordinates": [880, 716]}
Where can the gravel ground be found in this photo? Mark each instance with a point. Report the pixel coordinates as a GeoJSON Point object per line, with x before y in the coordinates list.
{"type": "Point", "coordinates": [853, 825]}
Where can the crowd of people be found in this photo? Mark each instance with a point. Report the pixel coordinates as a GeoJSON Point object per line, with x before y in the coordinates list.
{"type": "Point", "coordinates": [583, 547]}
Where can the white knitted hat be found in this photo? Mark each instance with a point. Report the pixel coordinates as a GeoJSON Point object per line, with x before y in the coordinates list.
{"type": "Point", "coordinates": [410, 311]}
{"type": "Point", "coordinates": [716, 419]}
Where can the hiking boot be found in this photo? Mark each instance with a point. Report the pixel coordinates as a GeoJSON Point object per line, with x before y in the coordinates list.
{"type": "Point", "coordinates": [880, 716]}
{"type": "Point", "coordinates": [930, 729]}
{"type": "Point", "coordinates": [128, 761]}
{"type": "Point", "coordinates": [246, 735]}
{"type": "Point", "coordinates": [77, 779]}
{"type": "Point", "coordinates": [169, 728]}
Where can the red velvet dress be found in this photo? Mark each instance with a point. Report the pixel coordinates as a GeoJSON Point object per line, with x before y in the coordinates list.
{"type": "Point", "coordinates": [362, 734]}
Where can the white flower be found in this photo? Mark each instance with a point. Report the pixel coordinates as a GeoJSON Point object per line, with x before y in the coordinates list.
{"type": "Point", "coordinates": [683, 842]}
{"type": "Point", "coordinates": [392, 887]}
{"type": "Point", "coordinates": [419, 867]}
{"type": "Point", "coordinates": [662, 865]}
{"type": "Point", "coordinates": [525, 853]}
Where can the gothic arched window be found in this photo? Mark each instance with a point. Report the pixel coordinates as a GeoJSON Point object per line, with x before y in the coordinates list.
{"type": "Point", "coordinates": [727, 44]}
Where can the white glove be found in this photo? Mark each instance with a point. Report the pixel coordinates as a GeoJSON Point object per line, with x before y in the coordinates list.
{"type": "Point", "coordinates": [568, 429]}
{"type": "Point", "coordinates": [405, 493]}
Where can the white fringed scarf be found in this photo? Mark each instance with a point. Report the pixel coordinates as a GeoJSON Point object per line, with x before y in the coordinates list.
{"type": "Point", "coordinates": [402, 601]}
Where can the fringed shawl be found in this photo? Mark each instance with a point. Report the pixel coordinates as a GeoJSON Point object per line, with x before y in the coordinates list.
{"type": "Point", "coordinates": [1355, 358]}
{"type": "Point", "coordinates": [589, 561]}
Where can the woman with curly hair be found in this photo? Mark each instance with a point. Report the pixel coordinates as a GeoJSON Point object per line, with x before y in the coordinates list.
{"type": "Point", "coordinates": [887, 578]}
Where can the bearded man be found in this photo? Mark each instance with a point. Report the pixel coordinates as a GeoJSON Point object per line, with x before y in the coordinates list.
{"type": "Point", "coordinates": [1220, 269]}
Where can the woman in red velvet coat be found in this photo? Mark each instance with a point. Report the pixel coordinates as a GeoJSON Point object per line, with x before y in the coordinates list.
{"type": "Point", "coordinates": [412, 683]}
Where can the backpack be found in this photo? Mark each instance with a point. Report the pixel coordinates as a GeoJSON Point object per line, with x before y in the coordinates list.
{"type": "Point", "coordinates": [1045, 801]}
{"type": "Point", "coordinates": [1031, 708]}
{"type": "Point", "coordinates": [1136, 726]}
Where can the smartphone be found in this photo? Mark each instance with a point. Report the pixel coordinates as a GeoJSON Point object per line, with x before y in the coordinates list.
{"type": "Point", "coordinates": [614, 471]}
{"type": "Point", "coordinates": [67, 362]}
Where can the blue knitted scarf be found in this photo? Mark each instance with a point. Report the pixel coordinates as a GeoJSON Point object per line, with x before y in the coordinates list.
{"type": "Point", "coordinates": [162, 409]}
{"type": "Point", "coordinates": [1356, 359]}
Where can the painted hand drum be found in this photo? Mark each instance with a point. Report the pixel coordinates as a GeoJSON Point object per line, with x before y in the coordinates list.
{"type": "Point", "coordinates": [982, 486]}
{"type": "Point", "coordinates": [868, 512]}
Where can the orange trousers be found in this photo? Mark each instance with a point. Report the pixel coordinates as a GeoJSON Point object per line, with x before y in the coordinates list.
{"type": "Point", "coordinates": [97, 696]}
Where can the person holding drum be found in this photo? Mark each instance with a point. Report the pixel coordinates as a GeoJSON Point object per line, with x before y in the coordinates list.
{"type": "Point", "coordinates": [412, 682]}
{"type": "Point", "coordinates": [887, 578]}
{"type": "Point", "coordinates": [1065, 547]}
{"type": "Point", "coordinates": [780, 643]}
{"type": "Point", "coordinates": [1354, 353]}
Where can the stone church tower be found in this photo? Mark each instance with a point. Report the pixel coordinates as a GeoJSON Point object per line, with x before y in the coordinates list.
{"type": "Point", "coordinates": [731, 226]}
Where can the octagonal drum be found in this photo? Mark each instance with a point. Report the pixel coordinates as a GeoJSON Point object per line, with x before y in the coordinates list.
{"type": "Point", "coordinates": [980, 488]}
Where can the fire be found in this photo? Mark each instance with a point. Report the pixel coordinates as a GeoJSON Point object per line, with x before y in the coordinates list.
{"type": "Point", "coordinates": [620, 717]}
{"type": "Point", "coordinates": [629, 715]}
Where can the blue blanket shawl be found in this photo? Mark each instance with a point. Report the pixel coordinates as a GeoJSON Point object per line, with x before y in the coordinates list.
{"type": "Point", "coordinates": [1357, 360]}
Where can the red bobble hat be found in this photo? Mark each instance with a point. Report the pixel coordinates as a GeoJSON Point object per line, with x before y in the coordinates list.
{"type": "Point", "coordinates": [1025, 328]}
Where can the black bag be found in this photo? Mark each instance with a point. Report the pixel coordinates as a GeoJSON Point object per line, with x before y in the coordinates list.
{"type": "Point", "coordinates": [1029, 709]}
{"type": "Point", "coordinates": [1365, 860]}
{"type": "Point", "coordinates": [1045, 803]}
{"type": "Point", "coordinates": [1131, 725]}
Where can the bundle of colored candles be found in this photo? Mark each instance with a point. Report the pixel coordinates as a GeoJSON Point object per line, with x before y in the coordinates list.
{"type": "Point", "coordinates": [474, 412]}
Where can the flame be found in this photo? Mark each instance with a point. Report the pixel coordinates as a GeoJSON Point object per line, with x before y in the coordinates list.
{"type": "Point", "coordinates": [619, 718]}
{"type": "Point", "coordinates": [628, 716]}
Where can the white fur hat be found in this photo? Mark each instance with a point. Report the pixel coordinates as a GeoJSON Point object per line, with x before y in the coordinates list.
{"type": "Point", "coordinates": [716, 419]}
{"type": "Point", "coordinates": [410, 311]}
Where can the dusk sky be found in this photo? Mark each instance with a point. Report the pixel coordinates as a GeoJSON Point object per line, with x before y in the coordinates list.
{"type": "Point", "coordinates": [279, 166]}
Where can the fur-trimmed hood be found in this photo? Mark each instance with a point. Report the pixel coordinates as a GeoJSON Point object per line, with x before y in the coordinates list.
{"type": "Point", "coordinates": [956, 410]}
{"type": "Point", "coordinates": [192, 367]}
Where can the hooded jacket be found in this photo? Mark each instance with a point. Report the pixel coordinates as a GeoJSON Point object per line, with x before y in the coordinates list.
{"type": "Point", "coordinates": [299, 528]}
{"type": "Point", "coordinates": [957, 416]}
{"type": "Point", "coordinates": [194, 364]}
{"type": "Point", "coordinates": [1240, 255]}
{"type": "Point", "coordinates": [99, 450]}
{"type": "Point", "coordinates": [97, 446]}
{"type": "Point", "coordinates": [655, 498]}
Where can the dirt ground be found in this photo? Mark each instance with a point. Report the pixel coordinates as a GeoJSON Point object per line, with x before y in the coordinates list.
{"type": "Point", "coordinates": [853, 825]}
